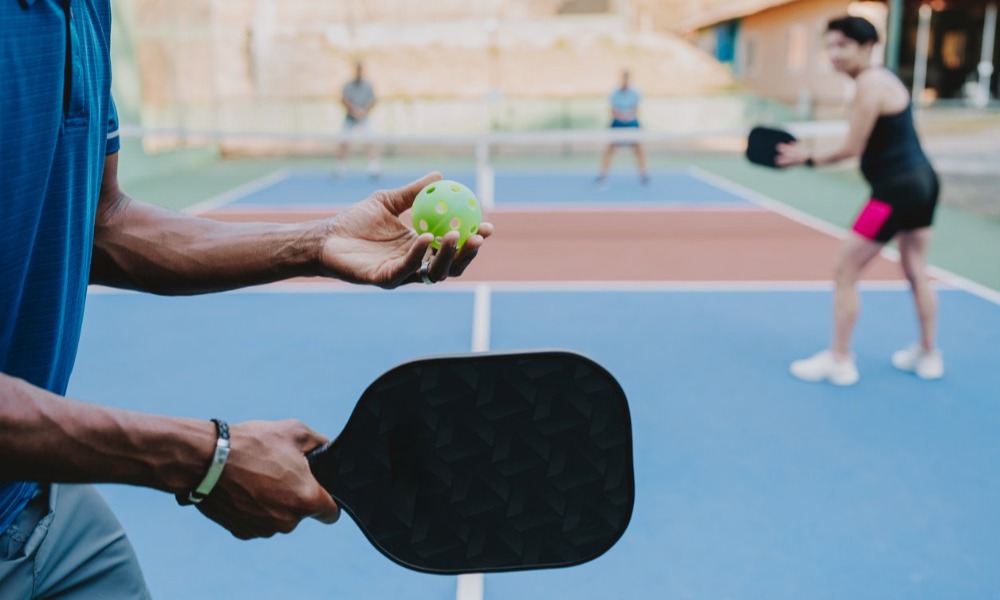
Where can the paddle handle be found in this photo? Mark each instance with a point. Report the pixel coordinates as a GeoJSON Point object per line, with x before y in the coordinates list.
{"type": "Point", "coordinates": [321, 463]}
{"type": "Point", "coordinates": [313, 455]}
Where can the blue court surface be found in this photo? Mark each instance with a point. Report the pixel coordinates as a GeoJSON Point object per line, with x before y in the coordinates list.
{"type": "Point", "coordinates": [750, 484]}
{"type": "Point", "coordinates": [318, 189]}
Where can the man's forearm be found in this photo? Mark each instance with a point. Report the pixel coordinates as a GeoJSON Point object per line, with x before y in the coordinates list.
{"type": "Point", "coordinates": [144, 247]}
{"type": "Point", "coordinates": [46, 437]}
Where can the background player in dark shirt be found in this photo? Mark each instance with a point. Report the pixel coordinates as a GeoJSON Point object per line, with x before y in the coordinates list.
{"type": "Point", "coordinates": [904, 196]}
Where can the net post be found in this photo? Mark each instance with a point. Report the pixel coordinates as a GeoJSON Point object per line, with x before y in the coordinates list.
{"type": "Point", "coordinates": [484, 173]}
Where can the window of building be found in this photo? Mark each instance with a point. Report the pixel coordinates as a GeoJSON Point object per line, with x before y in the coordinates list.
{"type": "Point", "coordinates": [726, 35]}
{"type": "Point", "coordinates": [953, 49]}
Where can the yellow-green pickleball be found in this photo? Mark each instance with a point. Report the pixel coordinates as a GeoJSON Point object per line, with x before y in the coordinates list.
{"type": "Point", "coordinates": [445, 206]}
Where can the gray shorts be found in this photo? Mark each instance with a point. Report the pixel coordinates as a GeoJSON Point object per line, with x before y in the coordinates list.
{"type": "Point", "coordinates": [67, 544]}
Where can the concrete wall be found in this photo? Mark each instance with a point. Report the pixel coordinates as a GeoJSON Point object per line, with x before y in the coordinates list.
{"type": "Point", "coordinates": [280, 65]}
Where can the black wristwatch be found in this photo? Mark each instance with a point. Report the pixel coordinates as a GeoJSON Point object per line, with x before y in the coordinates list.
{"type": "Point", "coordinates": [810, 162]}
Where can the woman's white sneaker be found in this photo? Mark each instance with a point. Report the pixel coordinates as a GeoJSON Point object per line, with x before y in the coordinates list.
{"type": "Point", "coordinates": [824, 366]}
{"type": "Point", "coordinates": [926, 365]}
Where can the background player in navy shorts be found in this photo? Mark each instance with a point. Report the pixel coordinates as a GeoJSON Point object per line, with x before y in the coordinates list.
{"type": "Point", "coordinates": [624, 102]}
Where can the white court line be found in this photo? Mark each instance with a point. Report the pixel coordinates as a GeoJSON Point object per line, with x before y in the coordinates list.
{"type": "Point", "coordinates": [767, 202]}
{"type": "Point", "coordinates": [606, 207]}
{"type": "Point", "coordinates": [238, 192]}
{"type": "Point", "coordinates": [470, 586]}
{"type": "Point", "coordinates": [684, 286]}
{"type": "Point", "coordinates": [481, 319]}
{"type": "Point", "coordinates": [270, 209]}
{"type": "Point", "coordinates": [333, 287]}
{"type": "Point", "coordinates": [223, 200]}
{"type": "Point", "coordinates": [521, 206]}
{"type": "Point", "coordinates": [320, 286]}
{"type": "Point", "coordinates": [794, 214]}
{"type": "Point", "coordinates": [515, 208]}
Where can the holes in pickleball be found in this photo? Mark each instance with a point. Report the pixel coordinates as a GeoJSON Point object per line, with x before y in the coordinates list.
{"type": "Point", "coordinates": [472, 203]}
{"type": "Point", "coordinates": [455, 188]}
{"type": "Point", "coordinates": [423, 225]}
{"type": "Point", "coordinates": [441, 208]}
{"type": "Point", "coordinates": [455, 223]}
{"type": "Point", "coordinates": [474, 230]}
{"type": "Point", "coordinates": [431, 189]}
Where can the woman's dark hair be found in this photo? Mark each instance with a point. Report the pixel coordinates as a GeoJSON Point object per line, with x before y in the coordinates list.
{"type": "Point", "coordinates": [855, 28]}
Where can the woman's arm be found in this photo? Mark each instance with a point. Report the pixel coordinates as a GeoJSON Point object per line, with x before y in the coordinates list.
{"type": "Point", "coordinates": [865, 111]}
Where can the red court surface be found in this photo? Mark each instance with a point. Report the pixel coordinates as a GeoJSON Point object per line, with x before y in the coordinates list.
{"type": "Point", "coordinates": [653, 245]}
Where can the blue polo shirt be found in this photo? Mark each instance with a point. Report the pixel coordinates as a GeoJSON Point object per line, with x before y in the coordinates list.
{"type": "Point", "coordinates": [625, 100]}
{"type": "Point", "coordinates": [57, 123]}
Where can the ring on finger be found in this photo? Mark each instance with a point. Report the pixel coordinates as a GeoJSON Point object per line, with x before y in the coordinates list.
{"type": "Point", "coordinates": [425, 272]}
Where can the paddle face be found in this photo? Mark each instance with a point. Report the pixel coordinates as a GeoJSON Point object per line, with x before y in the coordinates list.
{"type": "Point", "coordinates": [762, 145]}
{"type": "Point", "coordinates": [486, 462]}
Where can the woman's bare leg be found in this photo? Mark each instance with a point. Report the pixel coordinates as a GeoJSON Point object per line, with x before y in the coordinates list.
{"type": "Point", "coordinates": [913, 250]}
{"type": "Point", "coordinates": [855, 254]}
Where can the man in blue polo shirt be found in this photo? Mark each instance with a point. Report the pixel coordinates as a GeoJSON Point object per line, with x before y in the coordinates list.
{"type": "Point", "coordinates": [624, 101]}
{"type": "Point", "coordinates": [64, 222]}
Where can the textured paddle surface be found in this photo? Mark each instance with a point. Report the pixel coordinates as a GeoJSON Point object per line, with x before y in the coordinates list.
{"type": "Point", "coordinates": [487, 462]}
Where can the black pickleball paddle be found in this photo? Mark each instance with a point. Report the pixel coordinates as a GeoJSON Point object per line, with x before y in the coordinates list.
{"type": "Point", "coordinates": [762, 145]}
{"type": "Point", "coordinates": [486, 462]}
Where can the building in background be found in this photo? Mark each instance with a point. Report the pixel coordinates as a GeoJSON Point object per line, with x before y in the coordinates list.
{"type": "Point", "coordinates": [441, 66]}
{"type": "Point", "coordinates": [946, 50]}
{"type": "Point", "coordinates": [961, 49]}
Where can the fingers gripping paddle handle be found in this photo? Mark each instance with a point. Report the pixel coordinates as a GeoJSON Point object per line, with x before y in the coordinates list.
{"type": "Point", "coordinates": [762, 145]}
{"type": "Point", "coordinates": [320, 463]}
